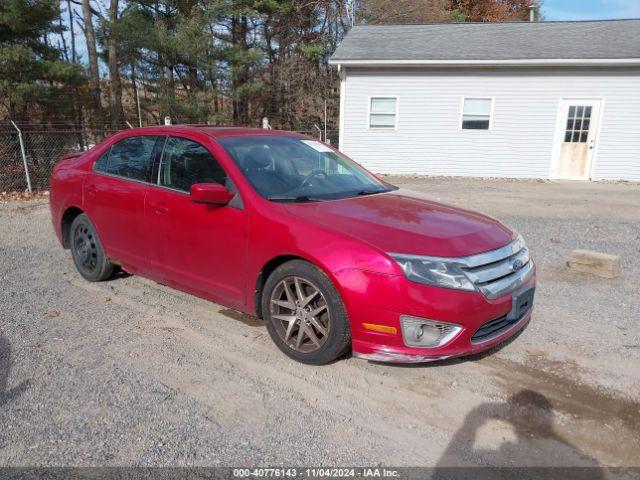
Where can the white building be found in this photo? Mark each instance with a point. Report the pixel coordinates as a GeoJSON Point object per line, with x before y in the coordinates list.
{"type": "Point", "coordinates": [538, 100]}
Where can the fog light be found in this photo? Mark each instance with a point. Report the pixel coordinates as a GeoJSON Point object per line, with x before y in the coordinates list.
{"type": "Point", "coordinates": [423, 333]}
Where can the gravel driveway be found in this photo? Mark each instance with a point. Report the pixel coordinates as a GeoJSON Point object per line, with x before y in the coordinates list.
{"type": "Point", "coordinates": [129, 372]}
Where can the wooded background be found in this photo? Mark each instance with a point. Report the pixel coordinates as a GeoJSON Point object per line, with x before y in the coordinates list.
{"type": "Point", "coordinates": [88, 64]}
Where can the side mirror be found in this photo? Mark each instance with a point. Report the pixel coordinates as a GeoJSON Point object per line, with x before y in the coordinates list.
{"type": "Point", "coordinates": [210, 193]}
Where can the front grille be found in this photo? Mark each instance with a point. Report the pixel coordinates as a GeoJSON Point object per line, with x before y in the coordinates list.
{"type": "Point", "coordinates": [500, 271]}
{"type": "Point", "coordinates": [495, 328]}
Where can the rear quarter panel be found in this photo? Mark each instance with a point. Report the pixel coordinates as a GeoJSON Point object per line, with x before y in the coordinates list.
{"type": "Point", "coordinates": [65, 189]}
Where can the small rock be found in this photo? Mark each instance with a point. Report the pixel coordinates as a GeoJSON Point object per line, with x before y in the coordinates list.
{"type": "Point", "coordinates": [534, 352]}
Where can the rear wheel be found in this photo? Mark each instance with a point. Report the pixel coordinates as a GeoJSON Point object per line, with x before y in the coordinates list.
{"type": "Point", "coordinates": [87, 251]}
{"type": "Point", "coordinates": [304, 314]}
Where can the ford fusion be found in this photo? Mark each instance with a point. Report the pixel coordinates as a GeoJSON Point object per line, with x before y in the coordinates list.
{"type": "Point", "coordinates": [284, 227]}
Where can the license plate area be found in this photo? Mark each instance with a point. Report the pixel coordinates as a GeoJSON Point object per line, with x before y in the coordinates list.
{"type": "Point", "coordinates": [521, 304]}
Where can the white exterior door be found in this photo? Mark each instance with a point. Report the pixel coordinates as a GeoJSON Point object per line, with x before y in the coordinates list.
{"type": "Point", "coordinates": [576, 135]}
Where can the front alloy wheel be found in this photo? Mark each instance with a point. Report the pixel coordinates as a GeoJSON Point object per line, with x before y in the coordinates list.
{"type": "Point", "coordinates": [304, 313]}
{"type": "Point", "coordinates": [302, 319]}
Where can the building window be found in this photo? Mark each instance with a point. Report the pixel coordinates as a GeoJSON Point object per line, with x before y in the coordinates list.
{"type": "Point", "coordinates": [578, 124]}
{"type": "Point", "coordinates": [476, 113]}
{"type": "Point", "coordinates": [383, 112]}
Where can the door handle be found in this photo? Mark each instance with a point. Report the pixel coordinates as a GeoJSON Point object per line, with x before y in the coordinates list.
{"type": "Point", "coordinates": [92, 190]}
{"type": "Point", "coordinates": [160, 209]}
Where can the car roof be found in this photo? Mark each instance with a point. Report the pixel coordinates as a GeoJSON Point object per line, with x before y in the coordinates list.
{"type": "Point", "coordinates": [214, 131]}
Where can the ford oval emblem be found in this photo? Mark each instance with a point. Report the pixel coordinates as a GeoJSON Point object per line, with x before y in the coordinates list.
{"type": "Point", "coordinates": [517, 265]}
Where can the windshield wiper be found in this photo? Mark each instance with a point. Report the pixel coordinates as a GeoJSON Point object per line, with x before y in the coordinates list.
{"type": "Point", "coordinates": [298, 199]}
{"type": "Point", "coordinates": [370, 192]}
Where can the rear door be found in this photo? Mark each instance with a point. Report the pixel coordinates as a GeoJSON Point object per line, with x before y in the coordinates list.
{"type": "Point", "coordinates": [114, 199]}
{"type": "Point", "coordinates": [199, 247]}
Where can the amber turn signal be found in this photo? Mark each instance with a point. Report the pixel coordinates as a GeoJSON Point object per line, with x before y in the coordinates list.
{"type": "Point", "coordinates": [380, 328]}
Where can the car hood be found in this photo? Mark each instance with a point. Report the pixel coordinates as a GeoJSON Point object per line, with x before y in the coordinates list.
{"type": "Point", "coordinates": [408, 222]}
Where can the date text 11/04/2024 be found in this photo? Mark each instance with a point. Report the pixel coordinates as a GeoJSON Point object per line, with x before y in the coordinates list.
{"type": "Point", "coordinates": [315, 473]}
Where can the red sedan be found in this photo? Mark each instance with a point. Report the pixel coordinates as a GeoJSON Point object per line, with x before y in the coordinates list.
{"type": "Point", "coordinates": [287, 228]}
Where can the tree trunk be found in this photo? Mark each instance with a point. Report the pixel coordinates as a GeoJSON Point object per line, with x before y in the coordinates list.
{"type": "Point", "coordinates": [72, 31]}
{"type": "Point", "coordinates": [234, 75]}
{"type": "Point", "coordinates": [77, 107]}
{"type": "Point", "coordinates": [65, 53]}
{"type": "Point", "coordinates": [136, 94]}
{"type": "Point", "coordinates": [239, 31]}
{"type": "Point", "coordinates": [115, 91]}
{"type": "Point", "coordinates": [94, 73]}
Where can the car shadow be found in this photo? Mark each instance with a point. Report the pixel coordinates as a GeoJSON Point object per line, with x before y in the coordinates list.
{"type": "Point", "coordinates": [8, 394]}
{"type": "Point", "coordinates": [530, 445]}
{"type": "Point", "coordinates": [119, 273]}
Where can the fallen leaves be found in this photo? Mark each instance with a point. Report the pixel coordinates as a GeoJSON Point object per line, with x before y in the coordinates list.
{"type": "Point", "coordinates": [52, 313]}
{"type": "Point", "coordinates": [22, 195]}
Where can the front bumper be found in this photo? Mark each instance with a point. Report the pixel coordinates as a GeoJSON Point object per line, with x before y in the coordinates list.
{"type": "Point", "coordinates": [373, 298]}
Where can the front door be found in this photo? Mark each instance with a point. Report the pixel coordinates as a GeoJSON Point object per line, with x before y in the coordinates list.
{"type": "Point", "coordinates": [576, 138]}
{"type": "Point", "coordinates": [198, 247]}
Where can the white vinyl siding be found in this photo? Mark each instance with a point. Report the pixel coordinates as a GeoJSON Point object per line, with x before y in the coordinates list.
{"type": "Point", "coordinates": [429, 139]}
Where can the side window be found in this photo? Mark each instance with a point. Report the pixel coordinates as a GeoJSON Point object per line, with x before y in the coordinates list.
{"type": "Point", "coordinates": [100, 165]}
{"type": "Point", "coordinates": [130, 157]}
{"type": "Point", "coordinates": [185, 162]}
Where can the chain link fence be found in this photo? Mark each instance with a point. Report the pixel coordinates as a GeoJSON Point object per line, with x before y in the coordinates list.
{"type": "Point", "coordinates": [27, 154]}
{"type": "Point", "coordinates": [43, 148]}
{"type": "Point", "coordinates": [39, 152]}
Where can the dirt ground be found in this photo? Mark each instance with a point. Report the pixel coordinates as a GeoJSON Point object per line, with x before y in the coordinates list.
{"type": "Point", "coordinates": [128, 372]}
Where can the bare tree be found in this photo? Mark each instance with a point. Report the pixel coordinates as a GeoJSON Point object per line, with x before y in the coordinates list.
{"type": "Point", "coordinates": [115, 90]}
{"type": "Point", "coordinates": [94, 73]}
{"type": "Point", "coordinates": [72, 31]}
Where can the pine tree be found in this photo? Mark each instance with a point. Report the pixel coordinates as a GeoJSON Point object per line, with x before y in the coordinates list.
{"type": "Point", "coordinates": [32, 72]}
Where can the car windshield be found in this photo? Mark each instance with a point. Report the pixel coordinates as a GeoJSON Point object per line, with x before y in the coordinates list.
{"type": "Point", "coordinates": [294, 169]}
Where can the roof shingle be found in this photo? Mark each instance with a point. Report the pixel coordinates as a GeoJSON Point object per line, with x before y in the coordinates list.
{"type": "Point", "coordinates": [610, 39]}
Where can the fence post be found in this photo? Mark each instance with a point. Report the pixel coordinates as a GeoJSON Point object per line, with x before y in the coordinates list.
{"type": "Point", "coordinates": [24, 156]}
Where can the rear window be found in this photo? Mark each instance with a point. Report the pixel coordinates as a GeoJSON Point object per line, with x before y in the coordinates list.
{"type": "Point", "coordinates": [130, 158]}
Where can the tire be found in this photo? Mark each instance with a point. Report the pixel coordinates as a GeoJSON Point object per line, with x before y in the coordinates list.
{"type": "Point", "coordinates": [316, 332]}
{"type": "Point", "coordinates": [86, 249]}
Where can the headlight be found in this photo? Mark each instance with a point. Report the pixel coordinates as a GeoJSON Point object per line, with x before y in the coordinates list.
{"type": "Point", "coordinates": [423, 333]}
{"type": "Point", "coordinates": [433, 271]}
